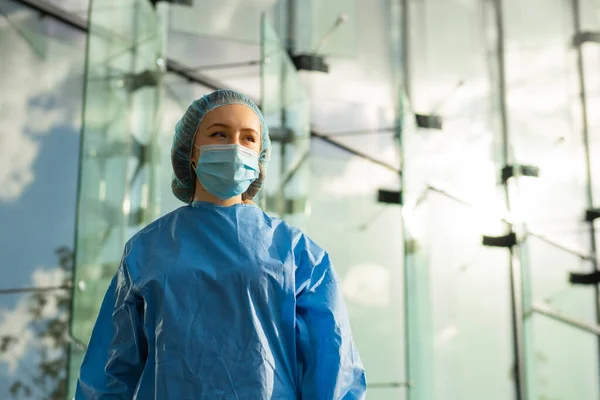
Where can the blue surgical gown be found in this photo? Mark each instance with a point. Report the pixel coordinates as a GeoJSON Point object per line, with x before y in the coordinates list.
{"type": "Point", "coordinates": [217, 302]}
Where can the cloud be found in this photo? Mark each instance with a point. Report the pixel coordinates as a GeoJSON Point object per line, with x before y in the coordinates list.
{"type": "Point", "coordinates": [361, 177]}
{"type": "Point", "coordinates": [446, 335]}
{"type": "Point", "coordinates": [25, 79]}
{"type": "Point", "coordinates": [368, 285]}
{"type": "Point", "coordinates": [17, 321]}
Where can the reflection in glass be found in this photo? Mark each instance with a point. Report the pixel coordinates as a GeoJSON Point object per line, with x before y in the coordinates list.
{"type": "Point", "coordinates": [285, 106]}
{"type": "Point", "coordinates": [117, 191]}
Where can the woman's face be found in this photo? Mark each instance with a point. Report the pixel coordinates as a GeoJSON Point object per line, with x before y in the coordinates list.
{"type": "Point", "coordinates": [231, 124]}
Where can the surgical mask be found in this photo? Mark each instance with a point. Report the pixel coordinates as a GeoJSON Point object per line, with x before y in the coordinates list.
{"type": "Point", "coordinates": [226, 170]}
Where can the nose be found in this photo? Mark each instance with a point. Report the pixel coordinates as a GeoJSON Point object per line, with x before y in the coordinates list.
{"type": "Point", "coordinates": [234, 139]}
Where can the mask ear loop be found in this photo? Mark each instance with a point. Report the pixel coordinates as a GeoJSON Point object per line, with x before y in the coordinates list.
{"type": "Point", "coordinates": [193, 162]}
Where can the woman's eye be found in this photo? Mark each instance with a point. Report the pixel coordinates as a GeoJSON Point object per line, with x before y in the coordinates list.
{"type": "Point", "coordinates": [250, 139]}
{"type": "Point", "coordinates": [218, 134]}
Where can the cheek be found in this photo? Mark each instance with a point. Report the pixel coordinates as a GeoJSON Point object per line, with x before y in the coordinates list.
{"type": "Point", "coordinates": [256, 147]}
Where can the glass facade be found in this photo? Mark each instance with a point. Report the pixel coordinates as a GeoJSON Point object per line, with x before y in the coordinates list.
{"type": "Point", "coordinates": [41, 85]}
{"type": "Point", "coordinates": [459, 291]}
{"type": "Point", "coordinates": [118, 157]}
{"type": "Point", "coordinates": [427, 99]}
{"type": "Point", "coordinates": [354, 107]}
{"type": "Point", "coordinates": [285, 106]}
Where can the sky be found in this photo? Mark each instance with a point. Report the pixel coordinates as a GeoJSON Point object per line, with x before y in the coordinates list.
{"type": "Point", "coordinates": [40, 110]}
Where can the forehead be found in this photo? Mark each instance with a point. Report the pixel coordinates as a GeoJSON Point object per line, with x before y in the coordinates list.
{"type": "Point", "coordinates": [236, 115]}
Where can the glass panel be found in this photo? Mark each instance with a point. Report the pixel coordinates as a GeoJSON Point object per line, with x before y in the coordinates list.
{"type": "Point", "coordinates": [40, 109]}
{"type": "Point", "coordinates": [79, 7]}
{"type": "Point", "coordinates": [29, 24]}
{"type": "Point", "coordinates": [542, 93]}
{"type": "Point", "coordinates": [326, 27]}
{"type": "Point", "coordinates": [590, 15]}
{"type": "Point", "coordinates": [359, 233]}
{"type": "Point", "coordinates": [458, 293]}
{"type": "Point", "coordinates": [179, 94]}
{"type": "Point", "coordinates": [354, 106]}
{"type": "Point", "coordinates": [354, 103]}
{"type": "Point", "coordinates": [286, 110]}
{"type": "Point", "coordinates": [117, 194]}
{"type": "Point", "coordinates": [344, 216]}
{"type": "Point", "coordinates": [232, 20]}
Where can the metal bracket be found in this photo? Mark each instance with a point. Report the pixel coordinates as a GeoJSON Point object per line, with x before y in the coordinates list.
{"type": "Point", "coordinates": [592, 214]}
{"type": "Point", "coordinates": [500, 241]}
{"type": "Point", "coordinates": [389, 196]}
{"type": "Point", "coordinates": [133, 82]}
{"type": "Point", "coordinates": [386, 385]}
{"type": "Point", "coordinates": [578, 278]}
{"type": "Point", "coordinates": [429, 121]}
{"type": "Point", "coordinates": [310, 62]}
{"type": "Point", "coordinates": [77, 343]}
{"type": "Point", "coordinates": [182, 2]}
{"type": "Point", "coordinates": [544, 309]}
{"type": "Point", "coordinates": [281, 135]}
{"type": "Point", "coordinates": [510, 171]}
{"type": "Point", "coordinates": [585, 37]}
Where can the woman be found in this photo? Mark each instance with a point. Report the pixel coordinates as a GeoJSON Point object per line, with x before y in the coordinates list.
{"type": "Point", "coordinates": [217, 300]}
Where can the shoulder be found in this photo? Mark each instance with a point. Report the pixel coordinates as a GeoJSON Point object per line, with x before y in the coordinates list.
{"type": "Point", "coordinates": [306, 251]}
{"type": "Point", "coordinates": [153, 230]}
{"type": "Point", "coordinates": [298, 241]}
{"type": "Point", "coordinates": [280, 228]}
{"type": "Point", "coordinates": [157, 234]}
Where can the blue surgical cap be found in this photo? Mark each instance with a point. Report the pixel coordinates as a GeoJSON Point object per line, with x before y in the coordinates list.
{"type": "Point", "coordinates": [184, 176]}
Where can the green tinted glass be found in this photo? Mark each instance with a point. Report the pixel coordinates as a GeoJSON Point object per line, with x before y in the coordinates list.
{"type": "Point", "coordinates": [285, 106]}
{"type": "Point", "coordinates": [327, 27]}
{"type": "Point", "coordinates": [117, 193]}
{"type": "Point", "coordinates": [28, 23]}
{"type": "Point", "coordinates": [226, 19]}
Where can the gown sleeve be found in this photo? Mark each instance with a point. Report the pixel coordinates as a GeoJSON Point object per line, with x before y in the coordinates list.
{"type": "Point", "coordinates": [329, 364]}
{"type": "Point", "coordinates": [117, 351]}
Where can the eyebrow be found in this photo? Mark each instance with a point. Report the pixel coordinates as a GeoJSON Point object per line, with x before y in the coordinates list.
{"type": "Point", "coordinates": [227, 126]}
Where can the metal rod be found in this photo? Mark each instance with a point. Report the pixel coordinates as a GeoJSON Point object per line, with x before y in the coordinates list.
{"type": "Point", "coordinates": [354, 152]}
{"type": "Point", "coordinates": [22, 33]}
{"type": "Point", "coordinates": [586, 142]}
{"type": "Point", "coordinates": [290, 40]}
{"type": "Point", "coordinates": [408, 297]}
{"type": "Point", "coordinates": [178, 68]}
{"type": "Point", "coordinates": [240, 64]}
{"type": "Point", "coordinates": [75, 21]}
{"type": "Point", "coordinates": [294, 169]}
{"type": "Point", "coordinates": [406, 48]}
{"type": "Point", "coordinates": [516, 272]}
{"type": "Point", "coordinates": [289, 45]}
{"type": "Point", "coordinates": [451, 197]}
{"type": "Point", "coordinates": [543, 309]}
{"type": "Point", "coordinates": [77, 343]}
{"type": "Point", "coordinates": [386, 385]}
{"type": "Point", "coordinates": [86, 77]}
{"type": "Point", "coordinates": [362, 132]}
{"type": "Point", "coordinates": [583, 256]}
{"type": "Point", "coordinates": [56, 12]}
{"type": "Point", "coordinates": [583, 102]}
{"type": "Point", "coordinates": [34, 289]}
{"type": "Point", "coordinates": [340, 20]}
{"type": "Point", "coordinates": [173, 66]}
